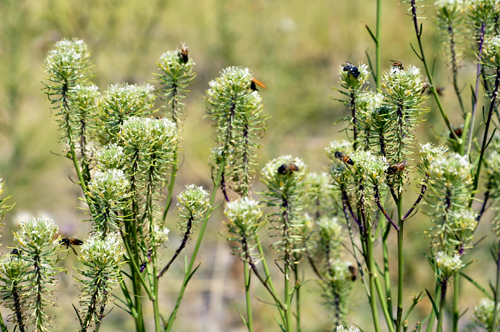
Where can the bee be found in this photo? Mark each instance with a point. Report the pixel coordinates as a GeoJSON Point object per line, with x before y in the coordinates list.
{"type": "Point", "coordinates": [290, 168]}
{"type": "Point", "coordinates": [183, 53]}
{"type": "Point", "coordinates": [15, 251]}
{"type": "Point", "coordinates": [158, 117]}
{"type": "Point", "coordinates": [345, 158]}
{"type": "Point", "coordinates": [255, 82]}
{"type": "Point", "coordinates": [353, 272]}
{"type": "Point", "coordinates": [70, 243]}
{"type": "Point", "coordinates": [397, 64]}
{"type": "Point", "coordinates": [351, 69]}
{"type": "Point", "coordinates": [393, 169]}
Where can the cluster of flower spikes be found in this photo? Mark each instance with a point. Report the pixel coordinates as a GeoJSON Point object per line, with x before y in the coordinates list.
{"type": "Point", "coordinates": [176, 75]}
{"type": "Point", "coordinates": [236, 109]}
{"type": "Point", "coordinates": [285, 179]}
{"type": "Point", "coordinates": [450, 183]}
{"type": "Point", "coordinates": [101, 260]}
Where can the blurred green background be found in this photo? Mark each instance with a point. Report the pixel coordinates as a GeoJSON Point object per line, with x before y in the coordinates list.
{"type": "Point", "coordinates": [295, 47]}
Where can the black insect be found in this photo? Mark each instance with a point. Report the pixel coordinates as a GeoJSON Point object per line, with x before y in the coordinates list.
{"type": "Point", "coordinates": [69, 243]}
{"type": "Point", "coordinates": [351, 69]}
{"type": "Point", "coordinates": [15, 252]}
{"type": "Point", "coordinates": [255, 82]}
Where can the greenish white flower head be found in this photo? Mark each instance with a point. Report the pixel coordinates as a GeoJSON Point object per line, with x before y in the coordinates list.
{"type": "Point", "coordinates": [453, 168]}
{"type": "Point", "coordinates": [492, 52]}
{"type": "Point", "coordinates": [349, 81]}
{"type": "Point", "coordinates": [330, 229]}
{"type": "Point", "coordinates": [449, 9]}
{"type": "Point", "coordinates": [234, 79]}
{"type": "Point", "coordinates": [404, 86]}
{"type": "Point", "coordinates": [243, 211]}
{"type": "Point", "coordinates": [103, 253]}
{"type": "Point", "coordinates": [152, 133]}
{"type": "Point", "coordinates": [171, 63]}
{"type": "Point", "coordinates": [193, 202]}
{"type": "Point", "coordinates": [428, 153]}
{"type": "Point", "coordinates": [110, 185]}
{"type": "Point", "coordinates": [338, 146]}
{"type": "Point", "coordinates": [67, 61]}
{"type": "Point", "coordinates": [370, 167]}
{"type": "Point", "coordinates": [483, 313]}
{"type": "Point", "coordinates": [462, 224]}
{"type": "Point", "coordinates": [12, 268]}
{"type": "Point", "coordinates": [159, 236]}
{"type": "Point", "coordinates": [347, 329]}
{"type": "Point", "coordinates": [339, 271]}
{"type": "Point", "coordinates": [369, 100]}
{"type": "Point", "coordinates": [110, 157]}
{"type": "Point", "coordinates": [128, 98]}
{"type": "Point", "coordinates": [37, 233]}
{"type": "Point", "coordinates": [448, 264]}
{"type": "Point", "coordinates": [270, 172]}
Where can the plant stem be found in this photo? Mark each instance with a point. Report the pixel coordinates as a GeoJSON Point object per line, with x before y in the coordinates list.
{"type": "Point", "coordinates": [182, 246]}
{"type": "Point", "coordinates": [432, 316]}
{"type": "Point", "coordinates": [288, 302]}
{"type": "Point", "coordinates": [494, 322]}
{"type": "Point", "coordinates": [248, 296]}
{"type": "Point", "coordinates": [476, 93]}
{"type": "Point", "coordinates": [400, 263]}
{"type": "Point", "coordinates": [454, 66]}
{"type": "Point", "coordinates": [156, 308]}
{"type": "Point", "coordinates": [378, 60]}
{"type": "Point", "coordinates": [297, 296]}
{"type": "Point", "coordinates": [427, 71]}
{"type": "Point", "coordinates": [456, 296]}
{"type": "Point", "coordinates": [485, 136]}
{"type": "Point", "coordinates": [189, 269]}
{"type": "Point", "coordinates": [387, 276]}
{"type": "Point", "coordinates": [444, 286]}
{"type": "Point", "coordinates": [371, 276]}
{"type": "Point", "coordinates": [170, 187]}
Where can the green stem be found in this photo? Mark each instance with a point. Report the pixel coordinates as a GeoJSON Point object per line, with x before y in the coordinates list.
{"type": "Point", "coordinates": [494, 322]}
{"type": "Point", "coordinates": [189, 269]}
{"type": "Point", "coordinates": [288, 298]}
{"type": "Point", "coordinates": [400, 263]}
{"type": "Point", "coordinates": [156, 308]}
{"type": "Point", "coordinates": [456, 296]}
{"type": "Point", "coordinates": [170, 187]}
{"type": "Point", "coordinates": [371, 276]}
{"type": "Point", "coordinates": [387, 276]}
{"type": "Point", "coordinates": [269, 280]}
{"type": "Point", "coordinates": [378, 33]}
{"type": "Point", "coordinates": [427, 71]}
{"type": "Point", "coordinates": [444, 286]}
{"type": "Point", "coordinates": [432, 316]}
{"type": "Point", "coordinates": [297, 296]}
{"type": "Point", "coordinates": [247, 275]}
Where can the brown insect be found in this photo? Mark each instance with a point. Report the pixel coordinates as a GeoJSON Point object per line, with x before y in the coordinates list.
{"type": "Point", "coordinates": [393, 169]}
{"type": "Point", "coordinates": [352, 69]}
{"type": "Point", "coordinates": [69, 243]}
{"type": "Point", "coordinates": [458, 131]}
{"type": "Point", "coordinates": [439, 91]}
{"type": "Point", "coordinates": [397, 64]}
{"type": "Point", "coordinates": [290, 168]}
{"type": "Point", "coordinates": [353, 272]}
{"type": "Point", "coordinates": [255, 82]}
{"type": "Point", "coordinates": [424, 87]}
{"type": "Point", "coordinates": [345, 158]}
{"type": "Point", "coordinates": [183, 53]}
